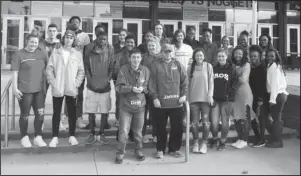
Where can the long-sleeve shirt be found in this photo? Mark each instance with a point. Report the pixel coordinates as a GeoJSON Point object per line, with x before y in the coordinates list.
{"type": "Point", "coordinates": [257, 82]}
{"type": "Point", "coordinates": [201, 85]}
{"type": "Point", "coordinates": [276, 82]}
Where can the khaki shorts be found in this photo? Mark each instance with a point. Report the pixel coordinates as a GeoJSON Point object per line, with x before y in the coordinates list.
{"type": "Point", "coordinates": [98, 100]}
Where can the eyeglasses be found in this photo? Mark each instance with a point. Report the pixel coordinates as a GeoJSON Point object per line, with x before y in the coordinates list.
{"type": "Point", "coordinates": [167, 51]}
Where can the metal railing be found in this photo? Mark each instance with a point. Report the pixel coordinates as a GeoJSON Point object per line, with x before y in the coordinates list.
{"type": "Point", "coordinates": [5, 97]}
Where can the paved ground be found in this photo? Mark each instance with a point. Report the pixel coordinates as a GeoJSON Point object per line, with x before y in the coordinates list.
{"type": "Point", "coordinates": [250, 160]}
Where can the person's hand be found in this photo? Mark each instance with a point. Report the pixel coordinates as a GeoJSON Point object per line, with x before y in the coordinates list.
{"type": "Point", "coordinates": [18, 93]}
{"type": "Point", "coordinates": [182, 99]}
{"type": "Point", "coordinates": [135, 90]}
{"type": "Point", "coordinates": [140, 89]}
{"type": "Point", "coordinates": [210, 100]}
{"type": "Point", "coordinates": [157, 103]}
{"type": "Point", "coordinates": [272, 104]}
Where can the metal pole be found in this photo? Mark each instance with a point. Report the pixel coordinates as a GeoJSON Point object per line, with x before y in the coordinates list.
{"type": "Point", "coordinates": [13, 112]}
{"type": "Point", "coordinates": [254, 22]}
{"type": "Point", "coordinates": [6, 119]}
{"type": "Point", "coordinates": [187, 132]}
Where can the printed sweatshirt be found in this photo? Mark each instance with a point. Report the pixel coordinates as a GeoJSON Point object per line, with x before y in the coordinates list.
{"type": "Point", "coordinates": [183, 54]}
{"type": "Point", "coordinates": [168, 83]}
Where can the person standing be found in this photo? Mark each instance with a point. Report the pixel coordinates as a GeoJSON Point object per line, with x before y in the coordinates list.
{"type": "Point", "coordinates": [243, 98]}
{"type": "Point", "coordinates": [120, 45]}
{"type": "Point", "coordinates": [190, 39]}
{"type": "Point", "coordinates": [28, 84]}
{"type": "Point", "coordinates": [201, 87]}
{"type": "Point", "coordinates": [276, 87]}
{"type": "Point", "coordinates": [99, 65]}
{"type": "Point", "coordinates": [223, 95]}
{"type": "Point", "coordinates": [227, 47]}
{"type": "Point", "coordinates": [142, 47]}
{"type": "Point", "coordinates": [182, 51]}
{"type": "Point", "coordinates": [65, 73]}
{"type": "Point", "coordinates": [209, 47]}
{"type": "Point", "coordinates": [243, 41]}
{"type": "Point", "coordinates": [132, 83]}
{"type": "Point", "coordinates": [160, 34]}
{"type": "Point", "coordinates": [82, 39]}
{"type": "Point", "coordinates": [168, 89]}
{"type": "Point", "coordinates": [265, 43]}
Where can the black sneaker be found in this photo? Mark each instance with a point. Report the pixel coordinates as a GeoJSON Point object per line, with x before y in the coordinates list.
{"type": "Point", "coordinates": [214, 144]}
{"type": "Point", "coordinates": [140, 156]}
{"type": "Point", "coordinates": [119, 160]}
{"type": "Point", "coordinates": [221, 146]}
{"type": "Point", "coordinates": [260, 143]}
{"type": "Point", "coordinates": [91, 139]}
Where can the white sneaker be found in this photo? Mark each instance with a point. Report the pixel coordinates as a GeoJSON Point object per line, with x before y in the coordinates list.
{"type": "Point", "coordinates": [195, 147]}
{"type": "Point", "coordinates": [25, 142]}
{"type": "Point", "coordinates": [203, 148]}
{"type": "Point", "coordinates": [235, 143]}
{"type": "Point", "coordinates": [80, 123]}
{"type": "Point", "coordinates": [155, 139]}
{"type": "Point", "coordinates": [145, 139]}
{"type": "Point", "coordinates": [38, 140]}
{"type": "Point", "coordinates": [73, 141]}
{"type": "Point", "coordinates": [241, 145]}
{"type": "Point", "coordinates": [62, 127]}
{"type": "Point", "coordinates": [54, 142]}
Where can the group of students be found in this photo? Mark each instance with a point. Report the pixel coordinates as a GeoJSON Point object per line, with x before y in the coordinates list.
{"type": "Point", "coordinates": [152, 80]}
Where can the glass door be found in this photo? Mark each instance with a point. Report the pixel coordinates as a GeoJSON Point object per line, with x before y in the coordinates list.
{"type": "Point", "coordinates": [40, 24]}
{"type": "Point", "coordinates": [218, 31]}
{"type": "Point", "coordinates": [169, 27]}
{"type": "Point", "coordinates": [135, 28]}
{"type": "Point", "coordinates": [12, 39]}
{"type": "Point", "coordinates": [188, 24]}
{"type": "Point", "coordinates": [108, 28]}
{"type": "Point", "coordinates": [293, 40]}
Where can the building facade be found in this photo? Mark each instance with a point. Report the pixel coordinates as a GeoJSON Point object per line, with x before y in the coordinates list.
{"type": "Point", "coordinates": [280, 19]}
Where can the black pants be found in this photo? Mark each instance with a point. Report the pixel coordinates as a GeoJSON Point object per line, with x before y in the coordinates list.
{"type": "Point", "coordinates": [176, 131]}
{"type": "Point", "coordinates": [242, 126]}
{"type": "Point", "coordinates": [57, 108]}
{"type": "Point", "coordinates": [93, 123]}
{"type": "Point", "coordinates": [36, 101]}
{"type": "Point", "coordinates": [80, 100]}
{"type": "Point", "coordinates": [149, 108]}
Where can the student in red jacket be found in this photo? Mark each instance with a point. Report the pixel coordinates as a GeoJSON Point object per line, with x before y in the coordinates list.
{"type": "Point", "coordinates": [168, 88]}
{"type": "Point", "coordinates": [131, 84]}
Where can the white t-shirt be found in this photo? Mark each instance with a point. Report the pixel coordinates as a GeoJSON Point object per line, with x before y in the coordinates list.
{"type": "Point", "coordinates": [65, 55]}
{"type": "Point", "coordinates": [84, 40]}
{"type": "Point", "coordinates": [183, 54]}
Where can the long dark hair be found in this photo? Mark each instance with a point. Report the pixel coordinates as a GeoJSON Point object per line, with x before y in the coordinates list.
{"type": "Point", "coordinates": [244, 59]}
{"type": "Point", "coordinates": [163, 33]}
{"type": "Point", "coordinates": [174, 39]}
{"type": "Point", "coordinates": [278, 58]}
{"type": "Point", "coordinates": [194, 61]}
{"type": "Point", "coordinates": [143, 37]}
{"type": "Point", "coordinates": [270, 45]}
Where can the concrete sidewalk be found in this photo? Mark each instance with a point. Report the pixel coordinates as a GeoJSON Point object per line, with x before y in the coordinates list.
{"type": "Point", "coordinates": [253, 161]}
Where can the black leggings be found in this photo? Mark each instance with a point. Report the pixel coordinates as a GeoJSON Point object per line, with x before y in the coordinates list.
{"type": "Point", "coordinates": [57, 108]}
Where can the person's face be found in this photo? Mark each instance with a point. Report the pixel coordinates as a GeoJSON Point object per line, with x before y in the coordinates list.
{"type": "Point", "coordinates": [122, 36]}
{"type": "Point", "coordinates": [271, 57]}
{"type": "Point", "coordinates": [243, 40]}
{"type": "Point", "coordinates": [158, 30]}
{"type": "Point", "coordinates": [255, 58]}
{"type": "Point", "coordinates": [222, 58]}
{"type": "Point", "coordinates": [151, 47]}
{"type": "Point", "coordinates": [100, 29]}
{"type": "Point", "coordinates": [264, 41]}
{"type": "Point", "coordinates": [238, 54]}
{"type": "Point", "coordinates": [191, 35]}
{"type": "Point", "coordinates": [52, 32]}
{"type": "Point", "coordinates": [207, 37]}
{"type": "Point", "coordinates": [148, 36]}
{"type": "Point", "coordinates": [75, 24]}
{"type": "Point", "coordinates": [33, 43]}
{"type": "Point", "coordinates": [180, 37]}
{"type": "Point", "coordinates": [225, 41]}
{"type": "Point", "coordinates": [130, 44]}
{"type": "Point", "coordinates": [69, 40]}
{"type": "Point", "coordinates": [199, 57]}
{"type": "Point", "coordinates": [101, 40]}
{"type": "Point", "coordinates": [167, 55]}
{"type": "Point", "coordinates": [135, 60]}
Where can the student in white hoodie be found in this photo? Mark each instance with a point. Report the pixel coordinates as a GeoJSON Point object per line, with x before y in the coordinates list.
{"type": "Point", "coordinates": [276, 86]}
{"type": "Point", "coordinates": [182, 51]}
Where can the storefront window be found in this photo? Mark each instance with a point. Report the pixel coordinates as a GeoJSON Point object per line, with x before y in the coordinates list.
{"type": "Point", "coordinates": [243, 16]}
{"type": "Point", "coordinates": [145, 26]}
{"type": "Point", "coordinates": [202, 25]}
{"type": "Point", "coordinates": [87, 27]}
{"type": "Point", "coordinates": [82, 9]}
{"type": "Point", "coordinates": [229, 15]}
{"type": "Point", "coordinates": [117, 25]}
{"type": "Point", "coordinates": [16, 8]}
{"type": "Point", "coordinates": [276, 43]}
{"type": "Point", "coordinates": [275, 30]}
{"type": "Point", "coordinates": [292, 6]}
{"type": "Point", "coordinates": [267, 17]}
{"type": "Point", "coordinates": [293, 17]}
{"type": "Point", "coordinates": [135, 12]}
{"type": "Point", "coordinates": [264, 5]}
{"type": "Point", "coordinates": [217, 15]}
{"type": "Point", "coordinates": [170, 14]}
{"type": "Point", "coordinates": [229, 29]}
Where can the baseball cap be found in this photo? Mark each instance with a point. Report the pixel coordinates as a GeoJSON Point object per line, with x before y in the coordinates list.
{"type": "Point", "coordinates": [166, 47]}
{"type": "Point", "coordinates": [70, 33]}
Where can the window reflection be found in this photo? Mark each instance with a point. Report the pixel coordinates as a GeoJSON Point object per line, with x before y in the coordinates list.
{"type": "Point", "coordinates": [293, 17]}
{"type": "Point", "coordinates": [87, 25]}
{"type": "Point", "coordinates": [229, 29]}
{"type": "Point", "coordinates": [267, 5]}
{"type": "Point", "coordinates": [217, 15]}
{"type": "Point", "coordinates": [16, 8]}
{"type": "Point", "coordinates": [230, 15]}
{"type": "Point", "coordinates": [267, 17]}
{"type": "Point", "coordinates": [117, 25]}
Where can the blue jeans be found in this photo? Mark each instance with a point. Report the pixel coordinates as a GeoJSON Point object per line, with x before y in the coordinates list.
{"type": "Point", "coordinates": [127, 121]}
{"type": "Point", "coordinates": [197, 109]}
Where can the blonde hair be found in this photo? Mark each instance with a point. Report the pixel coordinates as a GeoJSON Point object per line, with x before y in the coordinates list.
{"type": "Point", "coordinates": [157, 43]}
